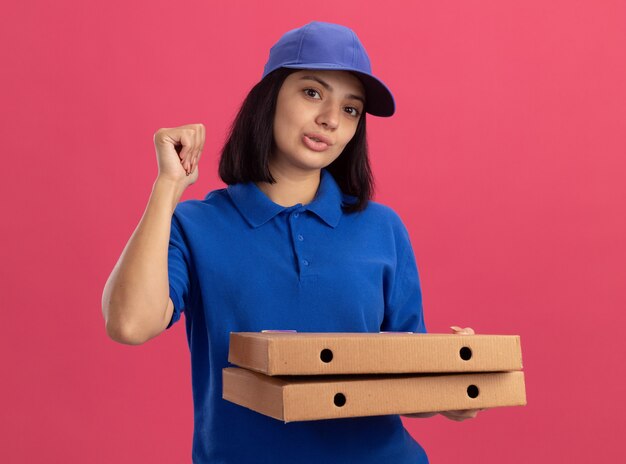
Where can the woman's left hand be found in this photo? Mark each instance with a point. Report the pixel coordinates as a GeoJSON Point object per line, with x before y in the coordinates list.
{"type": "Point", "coordinates": [462, 414]}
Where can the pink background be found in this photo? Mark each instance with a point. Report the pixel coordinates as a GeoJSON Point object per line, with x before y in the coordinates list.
{"type": "Point", "coordinates": [505, 160]}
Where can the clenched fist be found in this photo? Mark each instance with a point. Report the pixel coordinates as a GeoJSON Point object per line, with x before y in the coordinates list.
{"type": "Point", "coordinates": [178, 151]}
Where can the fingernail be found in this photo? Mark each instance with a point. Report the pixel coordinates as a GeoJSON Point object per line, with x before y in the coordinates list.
{"type": "Point", "coordinates": [455, 328]}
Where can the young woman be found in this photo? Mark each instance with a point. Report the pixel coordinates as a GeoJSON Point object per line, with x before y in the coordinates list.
{"type": "Point", "coordinates": [293, 243]}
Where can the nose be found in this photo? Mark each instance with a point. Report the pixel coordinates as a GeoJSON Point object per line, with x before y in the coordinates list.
{"type": "Point", "coordinates": [329, 116]}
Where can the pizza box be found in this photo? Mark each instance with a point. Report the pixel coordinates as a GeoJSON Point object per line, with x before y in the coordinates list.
{"type": "Point", "coordinates": [301, 398]}
{"type": "Point", "coordinates": [291, 353]}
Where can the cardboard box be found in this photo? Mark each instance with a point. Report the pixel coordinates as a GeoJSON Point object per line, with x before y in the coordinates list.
{"type": "Point", "coordinates": [373, 353]}
{"type": "Point", "coordinates": [293, 399]}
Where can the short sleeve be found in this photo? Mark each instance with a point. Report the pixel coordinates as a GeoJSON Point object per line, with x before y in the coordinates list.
{"type": "Point", "coordinates": [404, 310]}
{"type": "Point", "coordinates": [178, 270]}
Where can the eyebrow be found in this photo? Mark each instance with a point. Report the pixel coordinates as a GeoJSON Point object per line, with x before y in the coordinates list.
{"type": "Point", "coordinates": [329, 87]}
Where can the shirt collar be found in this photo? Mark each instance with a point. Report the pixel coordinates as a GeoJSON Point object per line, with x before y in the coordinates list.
{"type": "Point", "coordinates": [257, 208]}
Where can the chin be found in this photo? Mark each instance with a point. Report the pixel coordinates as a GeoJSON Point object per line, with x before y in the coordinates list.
{"type": "Point", "coordinates": [316, 163]}
{"type": "Point", "coordinates": [305, 159]}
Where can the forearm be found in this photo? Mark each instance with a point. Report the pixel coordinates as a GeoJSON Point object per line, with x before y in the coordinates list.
{"type": "Point", "coordinates": [136, 294]}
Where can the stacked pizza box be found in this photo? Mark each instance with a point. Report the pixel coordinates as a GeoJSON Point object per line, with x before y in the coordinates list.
{"type": "Point", "coordinates": [311, 376]}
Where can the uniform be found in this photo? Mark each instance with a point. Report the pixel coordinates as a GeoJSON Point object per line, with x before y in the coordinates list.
{"type": "Point", "coordinates": [238, 262]}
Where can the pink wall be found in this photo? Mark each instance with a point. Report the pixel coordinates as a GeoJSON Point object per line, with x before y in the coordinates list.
{"type": "Point", "coordinates": [505, 159]}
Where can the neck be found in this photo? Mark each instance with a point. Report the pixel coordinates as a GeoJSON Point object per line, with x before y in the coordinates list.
{"type": "Point", "coordinates": [291, 187]}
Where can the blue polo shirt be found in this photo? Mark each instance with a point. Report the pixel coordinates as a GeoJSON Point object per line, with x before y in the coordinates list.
{"type": "Point", "coordinates": [238, 262]}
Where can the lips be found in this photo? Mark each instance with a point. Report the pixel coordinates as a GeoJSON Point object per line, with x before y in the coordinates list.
{"type": "Point", "coordinates": [313, 145]}
{"type": "Point", "coordinates": [319, 138]}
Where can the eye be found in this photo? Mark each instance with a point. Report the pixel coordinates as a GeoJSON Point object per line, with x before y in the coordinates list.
{"type": "Point", "coordinates": [353, 111]}
{"type": "Point", "coordinates": [311, 92]}
{"type": "Point", "coordinates": [315, 94]}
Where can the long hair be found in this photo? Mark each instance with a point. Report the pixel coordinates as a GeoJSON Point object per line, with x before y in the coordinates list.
{"type": "Point", "coordinates": [250, 143]}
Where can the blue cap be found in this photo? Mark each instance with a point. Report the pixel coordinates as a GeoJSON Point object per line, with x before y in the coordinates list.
{"type": "Point", "coordinates": [321, 45]}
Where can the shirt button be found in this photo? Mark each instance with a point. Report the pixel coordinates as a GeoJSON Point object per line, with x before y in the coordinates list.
{"type": "Point", "coordinates": [300, 237]}
{"type": "Point", "coordinates": [305, 262]}
{"type": "Point", "coordinates": [296, 214]}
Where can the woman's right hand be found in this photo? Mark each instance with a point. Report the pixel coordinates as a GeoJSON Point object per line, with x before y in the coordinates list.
{"type": "Point", "coordinates": [178, 151]}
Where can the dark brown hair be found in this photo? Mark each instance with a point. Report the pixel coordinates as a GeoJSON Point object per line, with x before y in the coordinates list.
{"type": "Point", "coordinates": [250, 143]}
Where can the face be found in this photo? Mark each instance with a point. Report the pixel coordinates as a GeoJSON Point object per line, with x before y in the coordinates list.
{"type": "Point", "coordinates": [317, 113]}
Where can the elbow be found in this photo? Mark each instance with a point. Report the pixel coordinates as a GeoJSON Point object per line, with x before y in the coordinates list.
{"type": "Point", "coordinates": [120, 332]}
{"type": "Point", "coordinates": [117, 329]}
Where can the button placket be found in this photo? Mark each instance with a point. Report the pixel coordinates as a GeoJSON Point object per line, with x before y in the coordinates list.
{"type": "Point", "coordinates": [303, 262]}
